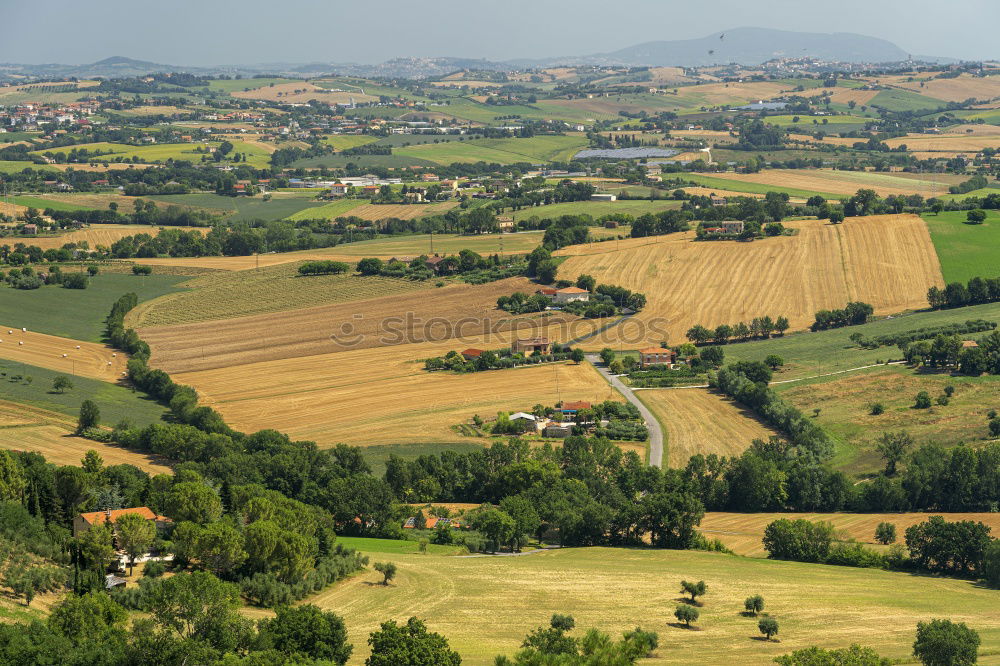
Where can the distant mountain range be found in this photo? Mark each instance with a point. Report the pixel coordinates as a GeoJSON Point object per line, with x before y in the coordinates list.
{"type": "Point", "coordinates": [744, 46]}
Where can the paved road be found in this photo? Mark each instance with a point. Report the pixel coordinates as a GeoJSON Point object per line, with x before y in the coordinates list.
{"type": "Point", "coordinates": [655, 431]}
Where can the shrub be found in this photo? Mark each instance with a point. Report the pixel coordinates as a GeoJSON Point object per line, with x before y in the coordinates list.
{"type": "Point", "coordinates": [154, 569]}
{"type": "Point", "coordinates": [922, 400]}
{"type": "Point", "coordinates": [75, 281]}
{"type": "Point", "coordinates": [142, 270]}
{"type": "Point", "coordinates": [877, 409]}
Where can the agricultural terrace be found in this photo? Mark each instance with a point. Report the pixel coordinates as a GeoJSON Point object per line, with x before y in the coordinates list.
{"type": "Point", "coordinates": [24, 428]}
{"type": "Point", "coordinates": [846, 406]}
{"type": "Point", "coordinates": [382, 395]}
{"type": "Point", "coordinates": [887, 261]}
{"type": "Point", "coordinates": [398, 318]}
{"type": "Point", "coordinates": [86, 359]}
{"type": "Point", "coordinates": [485, 606]}
{"type": "Point", "coordinates": [701, 421]}
{"type": "Point", "coordinates": [822, 181]}
{"type": "Point", "coordinates": [228, 294]}
{"type": "Point", "coordinates": [966, 250]}
{"type": "Point", "coordinates": [743, 532]}
{"type": "Point", "coordinates": [808, 354]}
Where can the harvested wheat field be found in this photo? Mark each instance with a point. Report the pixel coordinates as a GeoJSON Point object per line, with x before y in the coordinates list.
{"type": "Point", "coordinates": [383, 395]}
{"type": "Point", "coordinates": [700, 421]}
{"type": "Point", "coordinates": [227, 294]}
{"type": "Point", "coordinates": [302, 91]}
{"type": "Point", "coordinates": [886, 260]}
{"type": "Point", "coordinates": [958, 89]}
{"type": "Point", "coordinates": [709, 191]}
{"type": "Point", "coordinates": [743, 532]}
{"type": "Point", "coordinates": [829, 140]}
{"type": "Point", "coordinates": [400, 211]}
{"type": "Point", "coordinates": [843, 95]}
{"type": "Point", "coordinates": [102, 234]}
{"type": "Point", "coordinates": [60, 446]}
{"type": "Point", "coordinates": [85, 359]}
{"type": "Point", "coordinates": [953, 142]}
{"type": "Point", "coordinates": [454, 311]}
{"type": "Point", "coordinates": [832, 181]}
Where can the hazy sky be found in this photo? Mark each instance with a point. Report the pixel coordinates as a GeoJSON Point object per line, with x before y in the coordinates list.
{"type": "Point", "coordinates": [210, 32]}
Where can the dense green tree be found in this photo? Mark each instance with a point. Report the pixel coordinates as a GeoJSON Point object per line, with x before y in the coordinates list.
{"type": "Point", "coordinates": [686, 614]}
{"type": "Point", "coordinates": [387, 569]}
{"type": "Point", "coordinates": [90, 416]}
{"type": "Point", "coordinates": [754, 605]}
{"type": "Point", "coordinates": [946, 643]}
{"type": "Point", "coordinates": [135, 536]}
{"type": "Point", "coordinates": [409, 644]}
{"type": "Point", "coordinates": [768, 626]}
{"type": "Point", "coordinates": [307, 632]}
{"type": "Point", "coordinates": [694, 589]}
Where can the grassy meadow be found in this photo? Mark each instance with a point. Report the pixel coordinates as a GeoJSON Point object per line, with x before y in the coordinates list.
{"type": "Point", "coordinates": [734, 185]}
{"type": "Point", "coordinates": [116, 402]}
{"type": "Point", "coordinates": [806, 354]}
{"type": "Point", "coordinates": [966, 250]}
{"type": "Point", "coordinates": [76, 313]}
{"type": "Point", "coordinates": [486, 605]}
{"type": "Point", "coordinates": [845, 410]}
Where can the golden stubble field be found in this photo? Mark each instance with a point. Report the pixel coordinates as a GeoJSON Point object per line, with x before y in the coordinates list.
{"type": "Point", "coordinates": [743, 532]}
{"type": "Point", "coordinates": [887, 261]}
{"type": "Point", "coordinates": [698, 420]}
{"type": "Point", "coordinates": [454, 311]}
{"type": "Point", "coordinates": [302, 91]}
{"type": "Point", "coordinates": [86, 359]}
{"type": "Point", "coordinates": [102, 234]}
{"type": "Point", "coordinates": [26, 428]}
{"type": "Point", "coordinates": [834, 181]}
{"type": "Point", "coordinates": [383, 395]}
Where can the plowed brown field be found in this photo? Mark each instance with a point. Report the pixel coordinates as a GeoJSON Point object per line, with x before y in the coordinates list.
{"type": "Point", "coordinates": [743, 532]}
{"type": "Point", "coordinates": [887, 261]}
{"type": "Point", "coordinates": [700, 421]}
{"type": "Point", "coordinates": [62, 354]}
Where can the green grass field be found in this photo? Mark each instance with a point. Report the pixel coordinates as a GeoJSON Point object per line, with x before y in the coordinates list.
{"type": "Point", "coordinates": [539, 149]}
{"type": "Point", "coordinates": [239, 85]}
{"type": "Point", "coordinates": [806, 122]}
{"type": "Point", "coordinates": [76, 313]}
{"type": "Point", "coordinates": [328, 211]}
{"type": "Point", "coordinates": [806, 354]}
{"type": "Point", "coordinates": [245, 208]}
{"type": "Point", "coordinates": [905, 100]}
{"type": "Point", "coordinates": [596, 209]}
{"type": "Point", "coordinates": [10, 166]}
{"type": "Point", "coordinates": [485, 605]}
{"type": "Point", "coordinates": [345, 141]}
{"type": "Point", "coordinates": [361, 161]}
{"type": "Point", "coordinates": [417, 244]}
{"type": "Point", "coordinates": [845, 405]}
{"type": "Point", "coordinates": [41, 203]}
{"type": "Point", "coordinates": [751, 188]}
{"type": "Point", "coordinates": [966, 250]}
{"type": "Point", "coordinates": [161, 152]}
{"type": "Point", "coordinates": [115, 402]}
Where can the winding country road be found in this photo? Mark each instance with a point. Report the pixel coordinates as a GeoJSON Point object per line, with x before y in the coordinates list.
{"type": "Point", "coordinates": [652, 425]}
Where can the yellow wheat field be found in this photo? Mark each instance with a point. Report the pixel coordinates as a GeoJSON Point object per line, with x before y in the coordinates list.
{"type": "Point", "coordinates": [382, 395]}
{"type": "Point", "coordinates": [60, 446]}
{"type": "Point", "coordinates": [958, 89]}
{"type": "Point", "coordinates": [102, 234]}
{"type": "Point", "coordinates": [86, 359]}
{"type": "Point", "coordinates": [302, 91]}
{"type": "Point", "coordinates": [743, 532]}
{"type": "Point", "coordinates": [887, 261]}
{"type": "Point", "coordinates": [700, 421]}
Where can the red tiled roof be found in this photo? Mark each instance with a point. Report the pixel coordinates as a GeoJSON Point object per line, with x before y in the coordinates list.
{"type": "Point", "coordinates": [575, 405]}
{"type": "Point", "coordinates": [472, 352]}
{"type": "Point", "coordinates": [572, 290]}
{"type": "Point", "coordinates": [100, 517]}
{"type": "Point", "coordinates": [654, 350]}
